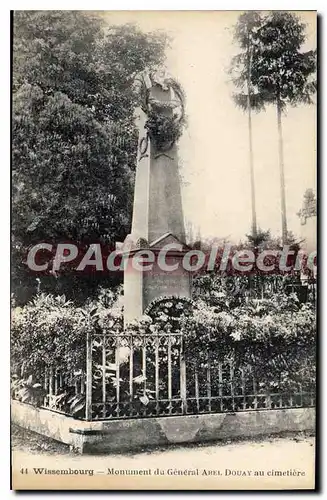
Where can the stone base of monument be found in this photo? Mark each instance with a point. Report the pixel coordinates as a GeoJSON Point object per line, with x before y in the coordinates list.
{"type": "Point", "coordinates": [132, 434]}
{"type": "Point", "coordinates": [166, 278]}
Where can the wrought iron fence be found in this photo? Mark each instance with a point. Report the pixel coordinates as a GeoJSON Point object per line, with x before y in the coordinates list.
{"type": "Point", "coordinates": [137, 376]}
{"type": "Point", "coordinates": [148, 375]}
{"type": "Point", "coordinates": [64, 391]}
{"type": "Point", "coordinates": [263, 287]}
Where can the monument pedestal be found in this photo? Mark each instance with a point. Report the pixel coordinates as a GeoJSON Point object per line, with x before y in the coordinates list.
{"type": "Point", "coordinates": [157, 211]}
{"type": "Point", "coordinates": [142, 287]}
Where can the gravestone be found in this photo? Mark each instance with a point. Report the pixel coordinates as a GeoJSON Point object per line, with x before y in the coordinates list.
{"type": "Point", "coordinates": [157, 212]}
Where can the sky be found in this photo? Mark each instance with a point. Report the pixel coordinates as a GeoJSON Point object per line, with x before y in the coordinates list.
{"type": "Point", "coordinates": [213, 151]}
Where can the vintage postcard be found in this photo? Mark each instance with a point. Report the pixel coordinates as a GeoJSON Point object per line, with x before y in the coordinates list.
{"type": "Point", "coordinates": [163, 325]}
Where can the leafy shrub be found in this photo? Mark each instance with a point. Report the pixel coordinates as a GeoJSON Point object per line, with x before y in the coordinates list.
{"type": "Point", "coordinates": [276, 336]}
{"type": "Point", "coordinates": [164, 130]}
{"type": "Point", "coordinates": [48, 338]}
{"type": "Point", "coordinates": [49, 331]}
{"type": "Point", "coordinates": [27, 391]}
{"type": "Point", "coordinates": [270, 339]}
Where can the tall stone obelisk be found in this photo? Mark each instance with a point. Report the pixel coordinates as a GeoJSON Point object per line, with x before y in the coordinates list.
{"type": "Point", "coordinates": [157, 212]}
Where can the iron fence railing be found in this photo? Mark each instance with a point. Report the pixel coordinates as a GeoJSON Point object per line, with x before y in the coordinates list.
{"type": "Point", "coordinates": [137, 376]}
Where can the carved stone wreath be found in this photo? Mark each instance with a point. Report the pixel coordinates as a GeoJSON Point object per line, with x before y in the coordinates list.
{"type": "Point", "coordinates": [175, 305]}
{"type": "Point", "coordinates": [163, 128]}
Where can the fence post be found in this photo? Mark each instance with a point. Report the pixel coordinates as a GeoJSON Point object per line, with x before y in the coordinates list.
{"type": "Point", "coordinates": [131, 367]}
{"type": "Point", "coordinates": [183, 378]}
{"type": "Point", "coordinates": [88, 395]}
{"type": "Point", "coordinates": [104, 398]}
{"type": "Point", "coordinates": [46, 386]}
{"type": "Point", "coordinates": [169, 372]}
{"type": "Point", "coordinates": [118, 344]}
{"type": "Point", "coordinates": [156, 376]}
{"type": "Point", "coordinates": [209, 380]}
{"type": "Point", "coordinates": [51, 388]}
{"type": "Point", "coordinates": [220, 384]}
{"type": "Point", "coordinates": [196, 382]}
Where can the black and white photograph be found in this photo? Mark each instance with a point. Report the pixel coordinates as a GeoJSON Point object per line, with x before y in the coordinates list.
{"type": "Point", "coordinates": [163, 250]}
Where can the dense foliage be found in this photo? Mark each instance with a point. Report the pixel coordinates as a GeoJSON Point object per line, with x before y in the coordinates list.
{"type": "Point", "coordinates": [272, 340]}
{"type": "Point", "coordinates": [273, 61]}
{"type": "Point", "coordinates": [74, 139]}
{"type": "Point", "coordinates": [164, 130]}
{"type": "Point", "coordinates": [48, 337]}
{"type": "Point", "coordinates": [272, 68]}
{"type": "Point", "coordinates": [276, 337]}
{"type": "Point", "coordinates": [51, 331]}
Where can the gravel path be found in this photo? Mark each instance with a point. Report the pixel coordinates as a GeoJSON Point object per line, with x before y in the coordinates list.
{"type": "Point", "coordinates": [282, 462]}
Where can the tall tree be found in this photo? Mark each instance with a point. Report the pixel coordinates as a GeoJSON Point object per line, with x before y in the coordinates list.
{"type": "Point", "coordinates": [283, 74]}
{"type": "Point", "coordinates": [247, 96]}
{"type": "Point", "coordinates": [74, 139]}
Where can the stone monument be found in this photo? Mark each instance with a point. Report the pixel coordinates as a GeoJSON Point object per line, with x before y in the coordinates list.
{"type": "Point", "coordinates": [157, 212]}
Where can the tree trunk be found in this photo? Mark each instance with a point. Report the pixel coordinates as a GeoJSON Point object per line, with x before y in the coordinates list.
{"type": "Point", "coordinates": [281, 171]}
{"type": "Point", "coordinates": [254, 215]}
{"type": "Point", "coordinates": [253, 207]}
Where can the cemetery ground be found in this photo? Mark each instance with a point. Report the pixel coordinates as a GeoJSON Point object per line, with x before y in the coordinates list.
{"type": "Point", "coordinates": [294, 449]}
